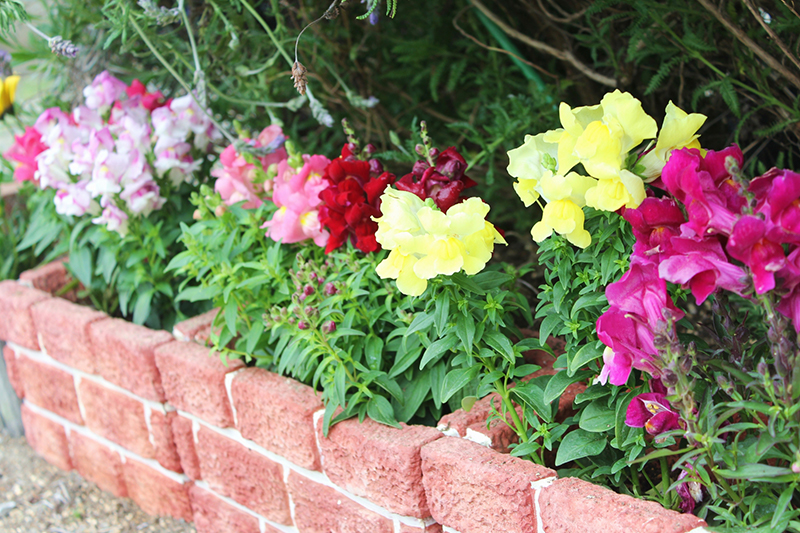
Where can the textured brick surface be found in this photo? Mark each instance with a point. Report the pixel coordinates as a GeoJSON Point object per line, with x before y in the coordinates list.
{"type": "Point", "coordinates": [195, 329]}
{"type": "Point", "coordinates": [12, 370]}
{"type": "Point", "coordinates": [321, 509]}
{"type": "Point", "coordinates": [212, 515]}
{"type": "Point", "coordinates": [194, 381]}
{"type": "Point", "coordinates": [16, 323]}
{"type": "Point", "coordinates": [278, 414]}
{"type": "Point", "coordinates": [571, 505]}
{"type": "Point", "coordinates": [50, 388]}
{"type": "Point", "coordinates": [117, 417]}
{"type": "Point", "coordinates": [98, 463]}
{"type": "Point", "coordinates": [123, 354]}
{"type": "Point", "coordinates": [163, 442]}
{"type": "Point", "coordinates": [497, 435]}
{"type": "Point", "coordinates": [156, 493]}
{"type": "Point", "coordinates": [184, 443]}
{"type": "Point", "coordinates": [472, 488]}
{"type": "Point", "coordinates": [379, 462]}
{"type": "Point", "coordinates": [48, 278]}
{"type": "Point", "coordinates": [243, 475]}
{"type": "Point", "coordinates": [64, 330]}
{"type": "Point", "coordinates": [48, 438]}
{"type": "Point", "coordinates": [433, 528]}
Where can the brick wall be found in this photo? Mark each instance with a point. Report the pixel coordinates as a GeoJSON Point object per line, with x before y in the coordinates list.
{"type": "Point", "coordinates": [240, 450]}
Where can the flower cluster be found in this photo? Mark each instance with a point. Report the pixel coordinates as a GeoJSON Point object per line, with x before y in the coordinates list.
{"type": "Point", "coordinates": [352, 199]}
{"type": "Point", "coordinates": [113, 156]}
{"type": "Point", "coordinates": [425, 241]}
{"type": "Point", "coordinates": [602, 139]}
{"type": "Point", "coordinates": [440, 178]}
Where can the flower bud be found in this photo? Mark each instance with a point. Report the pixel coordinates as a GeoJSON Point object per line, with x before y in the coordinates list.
{"type": "Point", "coordinates": [197, 215]}
{"type": "Point", "coordinates": [796, 467]}
{"type": "Point", "coordinates": [330, 289]}
{"type": "Point", "coordinates": [302, 325]}
{"type": "Point", "coordinates": [312, 276]}
{"type": "Point", "coordinates": [220, 210]}
{"type": "Point", "coordinates": [669, 378]}
{"type": "Point", "coordinates": [762, 368]}
{"type": "Point", "coordinates": [308, 290]}
{"type": "Point", "coordinates": [329, 327]}
{"type": "Point", "coordinates": [291, 320]}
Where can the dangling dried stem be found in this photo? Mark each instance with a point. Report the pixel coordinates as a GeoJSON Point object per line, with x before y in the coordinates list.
{"type": "Point", "coordinates": [299, 77]}
{"type": "Point", "coordinates": [298, 70]}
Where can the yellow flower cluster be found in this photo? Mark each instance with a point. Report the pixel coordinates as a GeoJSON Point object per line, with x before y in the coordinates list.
{"type": "Point", "coordinates": [600, 138]}
{"type": "Point", "coordinates": [425, 242]}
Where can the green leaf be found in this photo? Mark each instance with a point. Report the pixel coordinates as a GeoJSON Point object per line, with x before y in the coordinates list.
{"type": "Point", "coordinates": [548, 325]}
{"type": "Point", "coordinates": [438, 372]}
{"type": "Point", "coordinates": [457, 379]}
{"type": "Point", "coordinates": [489, 280]}
{"type": "Point", "coordinates": [757, 472]}
{"type": "Point", "coordinates": [415, 393]}
{"type": "Point", "coordinates": [579, 444]}
{"type": "Point", "coordinates": [560, 382]}
{"type": "Point", "coordinates": [500, 344]}
{"type": "Point", "coordinates": [436, 349]}
{"type": "Point", "coordinates": [420, 322]}
{"type": "Point", "coordinates": [466, 283]}
{"type": "Point", "coordinates": [380, 410]}
{"type": "Point", "coordinates": [467, 403]}
{"type": "Point", "coordinates": [780, 507]}
{"type": "Point", "coordinates": [339, 385]}
{"type": "Point", "coordinates": [80, 263]}
{"type": "Point", "coordinates": [465, 329]}
{"type": "Point", "coordinates": [597, 417]}
{"type": "Point", "coordinates": [587, 353]}
{"type": "Point", "coordinates": [373, 351]}
{"type": "Point", "coordinates": [141, 309]}
{"type": "Point", "coordinates": [404, 360]}
{"type": "Point", "coordinates": [231, 313]}
{"type": "Point", "coordinates": [441, 313]}
{"type": "Point", "coordinates": [254, 335]}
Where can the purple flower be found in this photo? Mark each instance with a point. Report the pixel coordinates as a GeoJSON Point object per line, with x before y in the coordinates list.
{"type": "Point", "coordinates": [702, 266]}
{"type": "Point", "coordinates": [652, 411]}
{"type": "Point", "coordinates": [690, 492]}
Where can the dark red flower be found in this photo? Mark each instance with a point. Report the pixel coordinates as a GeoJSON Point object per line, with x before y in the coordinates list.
{"type": "Point", "coordinates": [442, 182]}
{"type": "Point", "coordinates": [351, 200]}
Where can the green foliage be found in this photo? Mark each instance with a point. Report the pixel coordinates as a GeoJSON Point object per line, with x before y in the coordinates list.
{"type": "Point", "coordinates": [11, 12]}
{"type": "Point", "coordinates": [331, 322]}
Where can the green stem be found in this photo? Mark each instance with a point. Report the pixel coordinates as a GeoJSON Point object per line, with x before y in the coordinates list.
{"type": "Point", "coordinates": [179, 79]}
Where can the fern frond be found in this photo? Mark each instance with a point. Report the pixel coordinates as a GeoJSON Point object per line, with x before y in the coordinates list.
{"type": "Point", "coordinates": [661, 74]}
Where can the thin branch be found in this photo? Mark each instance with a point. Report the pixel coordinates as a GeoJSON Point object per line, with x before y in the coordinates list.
{"type": "Point", "coordinates": [771, 62]}
{"type": "Point", "coordinates": [492, 48]}
{"type": "Point", "coordinates": [771, 32]}
{"type": "Point", "coordinates": [564, 55]}
{"type": "Point", "coordinates": [565, 19]}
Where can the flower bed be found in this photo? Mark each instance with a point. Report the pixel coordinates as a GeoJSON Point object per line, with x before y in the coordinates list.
{"type": "Point", "coordinates": [149, 415]}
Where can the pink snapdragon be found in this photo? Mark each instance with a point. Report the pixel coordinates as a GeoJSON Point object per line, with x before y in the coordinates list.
{"type": "Point", "coordinates": [24, 152]}
{"type": "Point", "coordinates": [652, 411]}
{"type": "Point", "coordinates": [296, 193]}
{"type": "Point", "coordinates": [750, 244]}
{"type": "Point", "coordinates": [104, 90]}
{"type": "Point", "coordinates": [778, 199]}
{"type": "Point", "coordinates": [706, 189]}
{"type": "Point", "coordinates": [114, 218]}
{"type": "Point", "coordinates": [74, 200]}
{"type": "Point", "coordinates": [235, 180]}
{"type": "Point", "coordinates": [655, 222]}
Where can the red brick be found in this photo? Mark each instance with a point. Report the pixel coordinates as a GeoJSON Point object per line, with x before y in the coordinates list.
{"type": "Point", "coordinates": [50, 388]}
{"type": "Point", "coordinates": [571, 505]}
{"type": "Point", "coordinates": [156, 493]}
{"type": "Point", "coordinates": [12, 370]}
{"type": "Point", "coordinates": [433, 528]}
{"type": "Point", "coordinates": [48, 438]}
{"type": "Point", "coordinates": [472, 488]}
{"type": "Point", "coordinates": [196, 328]}
{"type": "Point", "coordinates": [212, 515]}
{"type": "Point", "coordinates": [123, 354]}
{"type": "Point", "coordinates": [48, 278]}
{"type": "Point", "coordinates": [244, 475]}
{"type": "Point", "coordinates": [163, 442]}
{"type": "Point", "coordinates": [117, 417]}
{"type": "Point", "coordinates": [322, 509]}
{"type": "Point", "coordinates": [459, 420]}
{"type": "Point", "coordinates": [278, 414]}
{"type": "Point", "coordinates": [98, 463]}
{"type": "Point", "coordinates": [184, 443]}
{"type": "Point", "coordinates": [379, 462]}
{"type": "Point", "coordinates": [16, 323]}
{"type": "Point", "coordinates": [194, 381]}
{"type": "Point", "coordinates": [64, 331]}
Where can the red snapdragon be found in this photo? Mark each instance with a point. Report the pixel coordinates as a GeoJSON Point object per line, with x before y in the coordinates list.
{"type": "Point", "coordinates": [443, 182]}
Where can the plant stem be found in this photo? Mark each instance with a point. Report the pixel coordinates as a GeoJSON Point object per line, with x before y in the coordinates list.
{"type": "Point", "coordinates": [269, 31]}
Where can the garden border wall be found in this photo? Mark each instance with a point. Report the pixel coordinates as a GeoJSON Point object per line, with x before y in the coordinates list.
{"type": "Point", "coordinates": [152, 416]}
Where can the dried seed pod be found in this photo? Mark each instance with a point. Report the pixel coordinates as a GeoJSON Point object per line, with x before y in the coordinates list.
{"type": "Point", "coordinates": [299, 77]}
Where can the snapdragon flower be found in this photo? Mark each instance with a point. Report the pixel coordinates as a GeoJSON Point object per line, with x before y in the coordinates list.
{"type": "Point", "coordinates": [426, 242]}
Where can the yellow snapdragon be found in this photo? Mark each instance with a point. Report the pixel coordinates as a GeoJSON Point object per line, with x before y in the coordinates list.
{"type": "Point", "coordinates": [600, 138]}
{"type": "Point", "coordinates": [425, 242]}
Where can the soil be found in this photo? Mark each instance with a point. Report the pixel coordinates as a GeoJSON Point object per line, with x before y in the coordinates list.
{"type": "Point", "coordinates": [36, 497]}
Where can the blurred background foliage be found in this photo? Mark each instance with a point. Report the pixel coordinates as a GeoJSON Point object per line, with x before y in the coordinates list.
{"type": "Point", "coordinates": [482, 73]}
